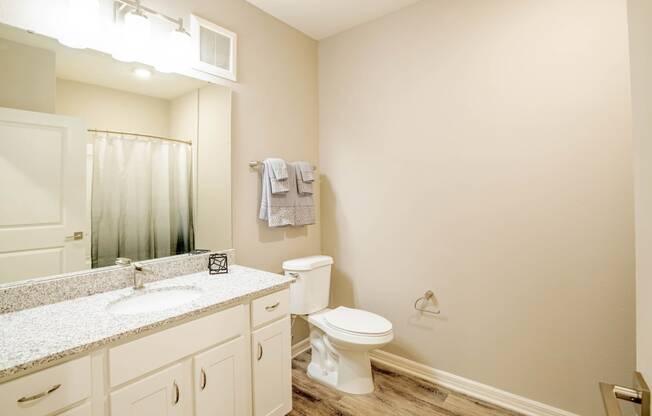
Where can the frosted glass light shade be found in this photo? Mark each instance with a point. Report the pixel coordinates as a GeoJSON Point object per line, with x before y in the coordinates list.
{"type": "Point", "coordinates": [79, 23]}
{"type": "Point", "coordinates": [176, 54]}
{"type": "Point", "coordinates": [132, 38]}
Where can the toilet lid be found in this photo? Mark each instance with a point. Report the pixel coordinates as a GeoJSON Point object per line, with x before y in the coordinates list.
{"type": "Point", "coordinates": [357, 321]}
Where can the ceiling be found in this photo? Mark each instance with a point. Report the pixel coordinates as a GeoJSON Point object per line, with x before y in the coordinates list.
{"type": "Point", "coordinates": [320, 19]}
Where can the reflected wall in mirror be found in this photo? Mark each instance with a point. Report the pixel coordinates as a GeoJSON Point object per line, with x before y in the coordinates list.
{"type": "Point", "coordinates": [101, 159]}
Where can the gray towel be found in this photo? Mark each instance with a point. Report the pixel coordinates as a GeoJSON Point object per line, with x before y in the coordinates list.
{"type": "Point", "coordinates": [278, 209]}
{"type": "Point", "coordinates": [278, 175]}
{"type": "Point", "coordinates": [305, 203]}
{"type": "Point", "coordinates": [279, 167]}
{"type": "Point", "coordinates": [285, 209]}
{"type": "Point", "coordinates": [305, 177]}
{"type": "Point", "coordinates": [307, 171]}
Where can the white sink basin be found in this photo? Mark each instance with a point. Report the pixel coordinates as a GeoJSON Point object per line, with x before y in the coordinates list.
{"type": "Point", "coordinates": [154, 300]}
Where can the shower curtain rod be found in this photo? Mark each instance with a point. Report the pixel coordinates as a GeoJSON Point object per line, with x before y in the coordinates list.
{"type": "Point", "coordinates": [141, 135]}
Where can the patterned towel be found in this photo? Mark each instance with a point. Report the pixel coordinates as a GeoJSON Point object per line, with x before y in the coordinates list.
{"type": "Point", "coordinates": [288, 208]}
{"type": "Point", "coordinates": [302, 171]}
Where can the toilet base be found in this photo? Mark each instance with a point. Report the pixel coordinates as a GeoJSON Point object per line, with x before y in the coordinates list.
{"type": "Point", "coordinates": [354, 378]}
{"type": "Point", "coordinates": [344, 369]}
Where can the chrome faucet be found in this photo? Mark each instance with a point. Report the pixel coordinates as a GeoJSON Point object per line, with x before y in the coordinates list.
{"type": "Point", "coordinates": [137, 277]}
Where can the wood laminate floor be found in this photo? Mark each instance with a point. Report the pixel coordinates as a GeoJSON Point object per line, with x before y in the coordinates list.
{"type": "Point", "coordinates": [395, 394]}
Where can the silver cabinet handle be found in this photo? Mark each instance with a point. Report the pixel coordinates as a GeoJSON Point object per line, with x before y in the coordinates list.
{"type": "Point", "coordinates": [177, 393]}
{"type": "Point", "coordinates": [41, 395]}
{"type": "Point", "coordinates": [203, 379]}
{"type": "Point", "coordinates": [260, 351]}
{"type": "Point", "coordinates": [272, 307]}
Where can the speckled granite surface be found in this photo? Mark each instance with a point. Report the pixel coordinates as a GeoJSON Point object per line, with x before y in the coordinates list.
{"type": "Point", "coordinates": [37, 292]}
{"type": "Point", "coordinates": [38, 336]}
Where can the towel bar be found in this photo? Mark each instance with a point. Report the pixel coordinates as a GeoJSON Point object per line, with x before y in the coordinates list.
{"type": "Point", "coordinates": [256, 163]}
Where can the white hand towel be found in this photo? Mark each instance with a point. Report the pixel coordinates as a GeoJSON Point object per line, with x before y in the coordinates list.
{"type": "Point", "coordinates": [304, 171]}
{"type": "Point", "coordinates": [278, 175]}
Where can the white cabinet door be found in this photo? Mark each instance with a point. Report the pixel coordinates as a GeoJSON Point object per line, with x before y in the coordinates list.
{"type": "Point", "coordinates": [43, 182]}
{"type": "Point", "coordinates": [221, 379]}
{"type": "Point", "coordinates": [272, 369]}
{"type": "Point", "coordinates": [161, 394]}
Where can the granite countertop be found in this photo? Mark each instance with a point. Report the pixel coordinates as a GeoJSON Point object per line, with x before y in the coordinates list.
{"type": "Point", "coordinates": [39, 336]}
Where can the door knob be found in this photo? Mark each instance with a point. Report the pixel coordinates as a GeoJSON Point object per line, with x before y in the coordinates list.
{"type": "Point", "coordinates": [639, 394]}
{"type": "Point", "coordinates": [77, 235]}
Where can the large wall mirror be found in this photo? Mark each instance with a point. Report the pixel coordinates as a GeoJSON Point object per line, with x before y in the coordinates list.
{"type": "Point", "coordinates": [101, 159]}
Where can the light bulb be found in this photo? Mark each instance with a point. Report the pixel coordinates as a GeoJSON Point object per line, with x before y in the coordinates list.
{"type": "Point", "coordinates": [176, 54]}
{"type": "Point", "coordinates": [132, 39]}
{"type": "Point", "coordinates": [80, 22]}
{"type": "Point", "coordinates": [142, 73]}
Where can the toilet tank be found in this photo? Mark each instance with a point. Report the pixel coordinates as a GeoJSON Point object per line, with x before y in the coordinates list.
{"type": "Point", "coordinates": [310, 292]}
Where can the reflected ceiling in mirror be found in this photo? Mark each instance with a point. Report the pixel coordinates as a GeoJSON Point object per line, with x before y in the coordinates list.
{"type": "Point", "coordinates": [102, 159]}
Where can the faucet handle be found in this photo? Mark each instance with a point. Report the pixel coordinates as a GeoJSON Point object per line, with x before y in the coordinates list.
{"type": "Point", "coordinates": [123, 261]}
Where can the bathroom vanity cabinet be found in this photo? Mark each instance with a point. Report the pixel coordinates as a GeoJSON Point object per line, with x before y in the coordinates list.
{"type": "Point", "coordinates": [234, 362]}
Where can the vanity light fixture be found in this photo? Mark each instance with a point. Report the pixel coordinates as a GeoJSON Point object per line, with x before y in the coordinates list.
{"type": "Point", "coordinates": [79, 23]}
{"type": "Point", "coordinates": [142, 73]}
{"type": "Point", "coordinates": [132, 37]}
{"type": "Point", "coordinates": [175, 54]}
{"type": "Point", "coordinates": [133, 40]}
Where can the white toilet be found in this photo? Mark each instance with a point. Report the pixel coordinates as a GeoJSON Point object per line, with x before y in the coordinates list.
{"type": "Point", "coordinates": [340, 338]}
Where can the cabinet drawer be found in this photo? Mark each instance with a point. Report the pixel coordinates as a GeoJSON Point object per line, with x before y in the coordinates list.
{"type": "Point", "coordinates": [270, 307]}
{"type": "Point", "coordinates": [149, 353]}
{"type": "Point", "coordinates": [47, 391]}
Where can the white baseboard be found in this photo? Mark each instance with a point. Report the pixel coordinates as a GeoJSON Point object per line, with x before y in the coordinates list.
{"type": "Point", "coordinates": [469, 387]}
{"type": "Point", "coordinates": [459, 384]}
{"type": "Point", "coordinates": [300, 347]}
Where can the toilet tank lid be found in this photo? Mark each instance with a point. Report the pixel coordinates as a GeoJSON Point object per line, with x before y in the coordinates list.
{"type": "Point", "coordinates": [307, 263]}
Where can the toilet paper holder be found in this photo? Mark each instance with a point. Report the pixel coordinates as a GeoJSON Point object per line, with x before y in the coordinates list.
{"type": "Point", "coordinates": [427, 297]}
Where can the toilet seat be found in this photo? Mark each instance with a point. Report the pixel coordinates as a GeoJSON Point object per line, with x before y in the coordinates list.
{"type": "Point", "coordinates": [357, 322]}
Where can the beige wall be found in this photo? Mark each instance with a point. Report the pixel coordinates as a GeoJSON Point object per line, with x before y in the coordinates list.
{"type": "Point", "coordinates": [213, 188]}
{"type": "Point", "coordinates": [482, 149]}
{"type": "Point", "coordinates": [108, 109]}
{"type": "Point", "coordinates": [27, 80]}
{"type": "Point", "coordinates": [274, 114]}
{"type": "Point", "coordinates": [640, 29]}
{"type": "Point", "coordinates": [184, 116]}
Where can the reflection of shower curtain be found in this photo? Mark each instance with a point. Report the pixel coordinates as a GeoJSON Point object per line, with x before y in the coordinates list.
{"type": "Point", "coordinates": [141, 198]}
